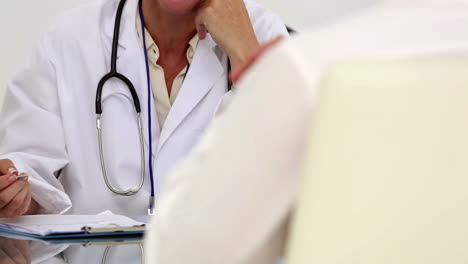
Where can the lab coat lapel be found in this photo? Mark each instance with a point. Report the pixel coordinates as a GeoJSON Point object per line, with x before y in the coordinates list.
{"type": "Point", "coordinates": [126, 25]}
{"type": "Point", "coordinates": [131, 62]}
{"type": "Point", "coordinates": [204, 71]}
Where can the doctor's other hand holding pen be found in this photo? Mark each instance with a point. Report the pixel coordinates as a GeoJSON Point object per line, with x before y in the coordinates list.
{"type": "Point", "coordinates": [15, 192]}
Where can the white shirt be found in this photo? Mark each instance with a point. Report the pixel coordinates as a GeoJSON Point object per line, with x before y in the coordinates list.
{"type": "Point", "coordinates": [231, 201]}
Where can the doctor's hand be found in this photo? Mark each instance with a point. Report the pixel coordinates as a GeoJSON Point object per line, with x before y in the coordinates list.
{"type": "Point", "coordinates": [229, 25]}
{"type": "Point", "coordinates": [15, 194]}
{"type": "Point", "coordinates": [14, 251]}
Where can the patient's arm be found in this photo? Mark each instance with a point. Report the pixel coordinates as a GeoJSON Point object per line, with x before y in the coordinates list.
{"type": "Point", "coordinates": [230, 201]}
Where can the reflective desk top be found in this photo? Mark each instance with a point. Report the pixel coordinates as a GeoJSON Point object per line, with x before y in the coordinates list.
{"type": "Point", "coordinates": [14, 251]}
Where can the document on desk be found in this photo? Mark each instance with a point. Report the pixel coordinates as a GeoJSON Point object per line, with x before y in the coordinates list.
{"type": "Point", "coordinates": [49, 227]}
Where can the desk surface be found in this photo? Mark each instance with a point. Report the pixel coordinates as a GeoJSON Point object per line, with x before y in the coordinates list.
{"type": "Point", "coordinates": [26, 251]}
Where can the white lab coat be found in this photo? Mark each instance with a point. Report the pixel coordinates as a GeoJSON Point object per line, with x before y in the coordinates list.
{"type": "Point", "coordinates": [48, 118]}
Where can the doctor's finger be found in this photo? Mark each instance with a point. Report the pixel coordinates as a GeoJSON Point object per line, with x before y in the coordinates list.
{"type": "Point", "coordinates": [202, 31]}
{"type": "Point", "coordinates": [26, 203]}
{"type": "Point", "coordinates": [202, 17]}
{"type": "Point", "coordinates": [12, 209]}
{"type": "Point", "coordinates": [10, 192]}
{"type": "Point", "coordinates": [6, 181]}
{"type": "Point", "coordinates": [7, 167]}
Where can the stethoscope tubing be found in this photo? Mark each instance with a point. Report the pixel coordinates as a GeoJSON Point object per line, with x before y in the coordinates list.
{"type": "Point", "coordinates": [136, 101]}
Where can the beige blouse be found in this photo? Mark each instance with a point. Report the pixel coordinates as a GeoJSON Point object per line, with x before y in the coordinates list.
{"type": "Point", "coordinates": [162, 100]}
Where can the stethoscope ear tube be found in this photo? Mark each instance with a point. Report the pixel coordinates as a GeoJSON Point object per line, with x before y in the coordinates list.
{"type": "Point", "coordinates": [128, 83]}
{"type": "Point", "coordinates": [115, 40]}
{"type": "Point", "coordinates": [113, 71]}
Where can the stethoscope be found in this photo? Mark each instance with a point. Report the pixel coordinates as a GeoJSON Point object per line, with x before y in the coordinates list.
{"type": "Point", "coordinates": [136, 101]}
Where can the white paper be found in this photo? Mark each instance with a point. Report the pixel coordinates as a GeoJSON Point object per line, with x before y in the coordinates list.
{"type": "Point", "coordinates": [53, 224]}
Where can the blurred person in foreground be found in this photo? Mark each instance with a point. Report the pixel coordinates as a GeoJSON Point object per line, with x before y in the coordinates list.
{"type": "Point", "coordinates": [231, 201]}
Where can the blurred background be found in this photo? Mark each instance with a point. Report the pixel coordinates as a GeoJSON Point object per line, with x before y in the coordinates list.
{"type": "Point", "coordinates": [22, 22]}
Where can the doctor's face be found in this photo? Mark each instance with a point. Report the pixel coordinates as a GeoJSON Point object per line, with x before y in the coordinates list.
{"type": "Point", "coordinates": [179, 6]}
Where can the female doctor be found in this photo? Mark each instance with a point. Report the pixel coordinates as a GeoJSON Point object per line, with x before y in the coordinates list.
{"type": "Point", "coordinates": [174, 53]}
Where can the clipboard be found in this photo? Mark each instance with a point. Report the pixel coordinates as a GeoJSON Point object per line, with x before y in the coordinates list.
{"type": "Point", "coordinates": [74, 228]}
{"type": "Point", "coordinates": [122, 230]}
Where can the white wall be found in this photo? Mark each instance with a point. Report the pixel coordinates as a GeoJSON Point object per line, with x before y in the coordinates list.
{"type": "Point", "coordinates": [22, 22]}
{"type": "Point", "coordinates": [309, 14]}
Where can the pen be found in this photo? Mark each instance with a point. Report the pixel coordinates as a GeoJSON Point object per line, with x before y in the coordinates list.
{"type": "Point", "coordinates": [22, 175]}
